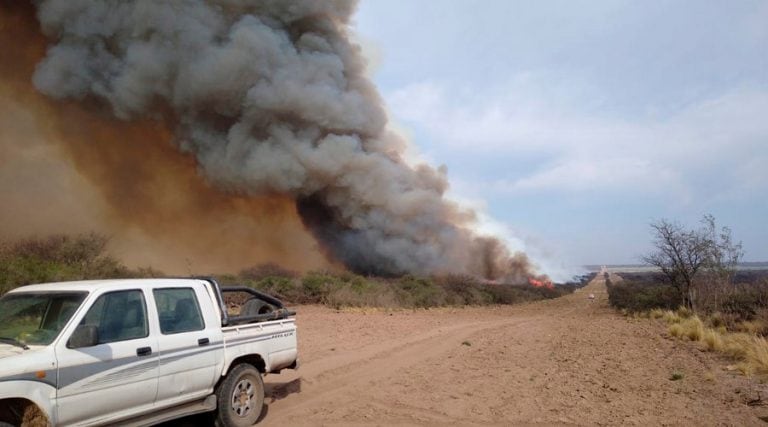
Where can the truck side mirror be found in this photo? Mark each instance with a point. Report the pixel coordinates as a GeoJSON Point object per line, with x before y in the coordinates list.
{"type": "Point", "coordinates": [84, 336]}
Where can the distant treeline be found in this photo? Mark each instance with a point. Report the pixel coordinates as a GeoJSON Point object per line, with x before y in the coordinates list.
{"type": "Point", "coordinates": [641, 268]}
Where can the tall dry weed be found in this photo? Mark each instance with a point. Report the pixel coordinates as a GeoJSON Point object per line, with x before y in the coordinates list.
{"type": "Point", "coordinates": [693, 328]}
{"type": "Point", "coordinates": [712, 340]}
{"type": "Point", "coordinates": [671, 317]}
{"type": "Point", "coordinates": [747, 347]}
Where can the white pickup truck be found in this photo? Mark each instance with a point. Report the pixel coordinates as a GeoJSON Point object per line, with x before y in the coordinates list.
{"type": "Point", "coordinates": [139, 352]}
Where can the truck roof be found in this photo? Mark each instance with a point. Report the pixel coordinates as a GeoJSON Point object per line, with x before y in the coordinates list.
{"type": "Point", "coordinates": [94, 285]}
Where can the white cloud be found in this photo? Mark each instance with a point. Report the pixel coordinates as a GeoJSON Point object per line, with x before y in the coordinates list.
{"type": "Point", "coordinates": [597, 172]}
{"type": "Point", "coordinates": [714, 141]}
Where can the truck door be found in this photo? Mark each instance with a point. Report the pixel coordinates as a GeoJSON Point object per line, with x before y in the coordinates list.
{"type": "Point", "coordinates": [118, 374]}
{"type": "Point", "coordinates": [188, 345]}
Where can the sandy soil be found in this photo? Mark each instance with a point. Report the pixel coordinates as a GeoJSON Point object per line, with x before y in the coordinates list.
{"type": "Point", "coordinates": [561, 362]}
{"type": "Point", "coordinates": [566, 361]}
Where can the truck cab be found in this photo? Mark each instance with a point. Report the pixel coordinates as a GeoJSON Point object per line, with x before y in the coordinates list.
{"type": "Point", "coordinates": [138, 352]}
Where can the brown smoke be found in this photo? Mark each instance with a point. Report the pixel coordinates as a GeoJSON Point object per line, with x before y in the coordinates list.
{"type": "Point", "coordinates": [128, 179]}
{"type": "Point", "coordinates": [219, 132]}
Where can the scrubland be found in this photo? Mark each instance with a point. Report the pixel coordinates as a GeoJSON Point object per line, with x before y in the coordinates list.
{"type": "Point", "coordinates": [734, 322]}
{"type": "Point", "coordinates": [564, 361]}
{"type": "Point", "coordinates": [80, 257]}
{"type": "Point", "coordinates": [454, 350]}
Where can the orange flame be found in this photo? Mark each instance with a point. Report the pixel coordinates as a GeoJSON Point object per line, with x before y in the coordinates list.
{"type": "Point", "coordinates": [540, 283]}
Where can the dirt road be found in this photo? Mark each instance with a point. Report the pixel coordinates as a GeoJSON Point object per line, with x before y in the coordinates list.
{"type": "Point", "coordinates": [562, 362]}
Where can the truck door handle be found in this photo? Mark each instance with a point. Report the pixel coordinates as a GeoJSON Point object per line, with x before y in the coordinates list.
{"type": "Point", "coordinates": [202, 342]}
{"type": "Point", "coordinates": [144, 351]}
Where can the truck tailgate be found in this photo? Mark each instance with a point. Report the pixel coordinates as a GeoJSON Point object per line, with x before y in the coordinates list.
{"type": "Point", "coordinates": [275, 341]}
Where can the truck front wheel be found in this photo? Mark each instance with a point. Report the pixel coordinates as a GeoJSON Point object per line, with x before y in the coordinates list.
{"type": "Point", "coordinates": [240, 397]}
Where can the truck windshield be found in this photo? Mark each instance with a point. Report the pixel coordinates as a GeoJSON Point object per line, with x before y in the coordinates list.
{"type": "Point", "coordinates": [36, 318]}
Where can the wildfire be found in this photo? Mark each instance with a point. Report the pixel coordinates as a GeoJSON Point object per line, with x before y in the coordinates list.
{"type": "Point", "coordinates": [292, 163]}
{"type": "Point", "coordinates": [540, 283]}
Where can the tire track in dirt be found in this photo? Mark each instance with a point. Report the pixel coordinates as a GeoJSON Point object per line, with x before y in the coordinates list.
{"type": "Point", "coordinates": [568, 361]}
{"type": "Point", "coordinates": [323, 381]}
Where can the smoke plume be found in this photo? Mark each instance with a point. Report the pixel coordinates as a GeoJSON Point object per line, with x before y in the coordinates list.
{"type": "Point", "coordinates": [270, 102]}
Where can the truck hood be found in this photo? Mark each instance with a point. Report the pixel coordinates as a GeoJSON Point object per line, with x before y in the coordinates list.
{"type": "Point", "coordinates": [8, 350]}
{"type": "Point", "coordinates": [15, 361]}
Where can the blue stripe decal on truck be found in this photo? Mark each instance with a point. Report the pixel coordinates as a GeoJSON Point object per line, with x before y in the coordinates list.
{"type": "Point", "coordinates": [50, 378]}
{"type": "Point", "coordinates": [108, 371]}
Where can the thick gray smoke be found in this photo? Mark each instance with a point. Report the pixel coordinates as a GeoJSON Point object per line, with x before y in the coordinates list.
{"type": "Point", "coordinates": [271, 96]}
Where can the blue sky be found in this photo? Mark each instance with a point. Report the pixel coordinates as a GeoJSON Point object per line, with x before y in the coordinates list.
{"type": "Point", "coordinates": [574, 124]}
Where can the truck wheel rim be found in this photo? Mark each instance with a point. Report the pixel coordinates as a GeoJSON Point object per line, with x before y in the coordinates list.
{"type": "Point", "coordinates": [243, 398]}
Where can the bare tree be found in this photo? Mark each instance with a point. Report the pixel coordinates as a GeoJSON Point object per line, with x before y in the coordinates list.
{"type": "Point", "coordinates": [716, 280]}
{"type": "Point", "coordinates": [679, 254]}
{"type": "Point", "coordinates": [688, 258]}
{"type": "Point", "coordinates": [724, 255]}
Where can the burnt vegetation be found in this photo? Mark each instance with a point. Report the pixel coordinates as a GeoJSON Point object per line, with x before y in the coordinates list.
{"type": "Point", "coordinates": [81, 257]}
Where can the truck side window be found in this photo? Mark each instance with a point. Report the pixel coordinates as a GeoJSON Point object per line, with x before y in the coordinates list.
{"type": "Point", "coordinates": [119, 316]}
{"type": "Point", "coordinates": [178, 310]}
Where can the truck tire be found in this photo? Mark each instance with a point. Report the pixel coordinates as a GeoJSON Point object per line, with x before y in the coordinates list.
{"type": "Point", "coordinates": [254, 306]}
{"type": "Point", "coordinates": [240, 397]}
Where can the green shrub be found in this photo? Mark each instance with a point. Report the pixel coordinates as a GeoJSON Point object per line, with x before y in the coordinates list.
{"type": "Point", "coordinates": [316, 285]}
{"type": "Point", "coordinates": [676, 376]}
{"type": "Point", "coordinates": [643, 296]}
{"type": "Point", "coordinates": [743, 305]}
{"type": "Point", "coordinates": [263, 271]}
{"type": "Point", "coordinates": [61, 258]}
{"type": "Point", "coordinates": [281, 287]}
{"type": "Point", "coordinates": [463, 290]}
{"type": "Point", "coordinates": [414, 291]}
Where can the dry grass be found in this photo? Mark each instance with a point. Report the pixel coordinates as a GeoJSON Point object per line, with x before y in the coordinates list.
{"type": "Point", "coordinates": [757, 356]}
{"type": "Point", "coordinates": [656, 313]}
{"type": "Point", "coordinates": [746, 346]}
{"type": "Point", "coordinates": [676, 330]}
{"type": "Point", "coordinates": [736, 344]}
{"type": "Point", "coordinates": [671, 317]}
{"type": "Point", "coordinates": [694, 328]}
{"type": "Point", "coordinates": [713, 341]}
{"type": "Point", "coordinates": [716, 320]}
{"type": "Point", "coordinates": [754, 327]}
{"type": "Point", "coordinates": [751, 350]}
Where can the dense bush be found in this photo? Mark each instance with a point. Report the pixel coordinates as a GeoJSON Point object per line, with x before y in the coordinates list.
{"type": "Point", "coordinates": [350, 290]}
{"type": "Point", "coordinates": [746, 301]}
{"type": "Point", "coordinates": [59, 258]}
{"type": "Point", "coordinates": [742, 301]}
{"type": "Point", "coordinates": [263, 271]}
{"type": "Point", "coordinates": [62, 258]}
{"type": "Point", "coordinates": [643, 296]}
